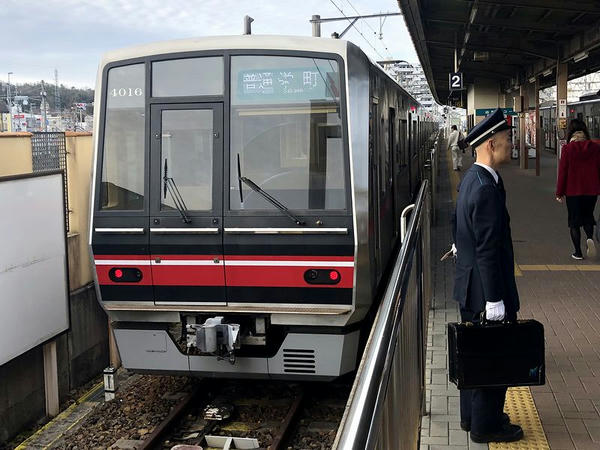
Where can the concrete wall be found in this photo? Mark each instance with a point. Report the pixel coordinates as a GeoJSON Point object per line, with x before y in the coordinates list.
{"type": "Point", "coordinates": [82, 352]}
{"type": "Point", "coordinates": [79, 175]}
{"type": "Point", "coordinates": [15, 153]}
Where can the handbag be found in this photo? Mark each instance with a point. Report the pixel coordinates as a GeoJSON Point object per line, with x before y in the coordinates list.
{"type": "Point", "coordinates": [496, 354]}
{"type": "Point", "coordinates": [462, 144]}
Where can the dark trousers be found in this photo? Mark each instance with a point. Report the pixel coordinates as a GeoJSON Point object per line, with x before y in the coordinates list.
{"type": "Point", "coordinates": [482, 408]}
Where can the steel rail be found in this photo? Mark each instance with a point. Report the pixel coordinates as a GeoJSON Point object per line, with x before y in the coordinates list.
{"type": "Point", "coordinates": [285, 427]}
{"type": "Point", "coordinates": [154, 438]}
{"type": "Point", "coordinates": [365, 407]}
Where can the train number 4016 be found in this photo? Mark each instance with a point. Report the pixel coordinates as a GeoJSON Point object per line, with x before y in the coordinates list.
{"type": "Point", "coordinates": [127, 92]}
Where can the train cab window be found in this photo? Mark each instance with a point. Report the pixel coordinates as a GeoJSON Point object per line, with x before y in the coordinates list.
{"type": "Point", "coordinates": [122, 185]}
{"type": "Point", "coordinates": [286, 132]}
{"type": "Point", "coordinates": [188, 77]}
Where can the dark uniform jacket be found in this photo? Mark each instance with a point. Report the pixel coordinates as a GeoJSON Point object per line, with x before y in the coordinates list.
{"type": "Point", "coordinates": [485, 258]}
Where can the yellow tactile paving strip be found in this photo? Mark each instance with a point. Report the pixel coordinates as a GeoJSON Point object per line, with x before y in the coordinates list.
{"type": "Point", "coordinates": [558, 267]}
{"type": "Point", "coordinates": [521, 409]}
{"type": "Point", "coordinates": [61, 417]}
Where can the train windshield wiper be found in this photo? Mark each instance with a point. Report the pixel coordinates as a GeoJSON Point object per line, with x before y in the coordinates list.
{"type": "Point", "coordinates": [269, 198]}
{"type": "Point", "coordinates": [170, 186]}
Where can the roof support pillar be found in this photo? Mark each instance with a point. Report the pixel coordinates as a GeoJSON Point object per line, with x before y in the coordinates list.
{"type": "Point", "coordinates": [562, 73]}
{"type": "Point", "coordinates": [539, 132]}
{"type": "Point", "coordinates": [524, 151]}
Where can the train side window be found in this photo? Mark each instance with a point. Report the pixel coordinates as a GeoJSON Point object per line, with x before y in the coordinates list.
{"type": "Point", "coordinates": [188, 77]}
{"type": "Point", "coordinates": [122, 185]}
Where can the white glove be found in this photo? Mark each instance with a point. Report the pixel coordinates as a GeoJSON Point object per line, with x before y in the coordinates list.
{"type": "Point", "coordinates": [494, 310]}
{"type": "Point", "coordinates": [449, 253]}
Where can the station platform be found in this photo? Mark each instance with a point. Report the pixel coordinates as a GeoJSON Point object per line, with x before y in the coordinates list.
{"type": "Point", "coordinates": [561, 293]}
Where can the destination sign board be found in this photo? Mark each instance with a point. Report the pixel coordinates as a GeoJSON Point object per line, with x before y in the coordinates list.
{"type": "Point", "coordinates": [289, 85]}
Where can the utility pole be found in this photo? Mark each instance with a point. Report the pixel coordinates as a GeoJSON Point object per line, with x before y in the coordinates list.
{"type": "Point", "coordinates": [44, 106]}
{"type": "Point", "coordinates": [9, 103]}
{"type": "Point", "coordinates": [57, 106]}
{"type": "Point", "coordinates": [316, 25]}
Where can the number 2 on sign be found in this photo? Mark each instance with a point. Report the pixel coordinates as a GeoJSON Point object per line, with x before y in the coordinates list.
{"type": "Point", "coordinates": [455, 84]}
{"type": "Point", "coordinates": [126, 92]}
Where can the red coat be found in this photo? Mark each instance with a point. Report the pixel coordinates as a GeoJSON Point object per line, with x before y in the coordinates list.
{"type": "Point", "coordinates": [579, 169]}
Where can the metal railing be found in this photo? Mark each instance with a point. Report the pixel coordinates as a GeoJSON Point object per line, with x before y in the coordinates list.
{"type": "Point", "coordinates": [385, 404]}
{"type": "Point", "coordinates": [435, 154]}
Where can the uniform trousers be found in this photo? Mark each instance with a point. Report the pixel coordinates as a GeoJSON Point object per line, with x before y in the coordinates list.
{"type": "Point", "coordinates": [482, 408]}
{"type": "Point", "coordinates": [456, 156]}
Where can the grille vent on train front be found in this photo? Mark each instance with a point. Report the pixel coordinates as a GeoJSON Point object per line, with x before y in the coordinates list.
{"type": "Point", "coordinates": [298, 361]}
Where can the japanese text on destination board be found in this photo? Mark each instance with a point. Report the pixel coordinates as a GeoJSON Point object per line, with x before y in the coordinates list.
{"type": "Point", "coordinates": [286, 85]}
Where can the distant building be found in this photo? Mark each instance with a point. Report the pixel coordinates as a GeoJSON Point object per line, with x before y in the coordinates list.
{"type": "Point", "coordinates": [412, 78]}
{"type": "Point", "coordinates": [4, 117]}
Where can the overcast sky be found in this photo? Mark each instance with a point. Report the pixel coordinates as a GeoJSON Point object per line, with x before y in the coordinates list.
{"type": "Point", "coordinates": [71, 35]}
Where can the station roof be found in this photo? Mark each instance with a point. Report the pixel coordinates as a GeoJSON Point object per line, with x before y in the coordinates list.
{"type": "Point", "coordinates": [505, 40]}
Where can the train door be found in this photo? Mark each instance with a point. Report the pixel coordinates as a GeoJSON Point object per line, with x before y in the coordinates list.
{"type": "Point", "coordinates": [413, 155]}
{"type": "Point", "coordinates": [404, 174]}
{"type": "Point", "coordinates": [186, 210]}
{"type": "Point", "coordinates": [374, 208]}
{"type": "Point", "coordinates": [386, 188]}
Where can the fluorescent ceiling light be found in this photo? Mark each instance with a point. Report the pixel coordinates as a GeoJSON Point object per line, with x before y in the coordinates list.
{"type": "Point", "coordinates": [532, 79]}
{"type": "Point", "coordinates": [580, 56]}
{"type": "Point", "coordinates": [547, 73]}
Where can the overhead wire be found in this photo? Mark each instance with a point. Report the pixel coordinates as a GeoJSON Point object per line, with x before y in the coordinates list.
{"type": "Point", "coordinates": [372, 29]}
{"type": "Point", "coordinates": [359, 32]}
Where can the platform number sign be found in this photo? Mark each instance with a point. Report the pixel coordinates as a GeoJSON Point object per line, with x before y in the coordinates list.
{"type": "Point", "coordinates": [456, 81]}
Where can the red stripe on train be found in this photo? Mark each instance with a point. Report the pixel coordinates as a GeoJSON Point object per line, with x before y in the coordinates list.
{"type": "Point", "coordinates": [282, 276]}
{"type": "Point", "coordinates": [262, 275]}
{"type": "Point", "coordinates": [188, 275]}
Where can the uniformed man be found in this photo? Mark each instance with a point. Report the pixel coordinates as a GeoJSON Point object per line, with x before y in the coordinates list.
{"type": "Point", "coordinates": [485, 281]}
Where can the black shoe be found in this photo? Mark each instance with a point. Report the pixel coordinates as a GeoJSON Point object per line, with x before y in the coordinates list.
{"type": "Point", "coordinates": [466, 426]}
{"type": "Point", "coordinates": [508, 433]}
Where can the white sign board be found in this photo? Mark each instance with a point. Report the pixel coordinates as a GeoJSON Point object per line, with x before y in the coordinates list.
{"type": "Point", "coordinates": [33, 263]}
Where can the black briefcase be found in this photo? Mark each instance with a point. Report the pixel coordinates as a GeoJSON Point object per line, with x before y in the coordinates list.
{"type": "Point", "coordinates": [496, 354]}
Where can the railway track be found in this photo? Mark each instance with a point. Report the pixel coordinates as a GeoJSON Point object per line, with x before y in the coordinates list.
{"type": "Point", "coordinates": [154, 412]}
{"type": "Point", "coordinates": [278, 415]}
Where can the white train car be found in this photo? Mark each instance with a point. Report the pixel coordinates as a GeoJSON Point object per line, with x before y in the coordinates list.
{"type": "Point", "coordinates": [246, 201]}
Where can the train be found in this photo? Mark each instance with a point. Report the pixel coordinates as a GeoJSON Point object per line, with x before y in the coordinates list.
{"type": "Point", "coordinates": [586, 109]}
{"type": "Point", "coordinates": [245, 200]}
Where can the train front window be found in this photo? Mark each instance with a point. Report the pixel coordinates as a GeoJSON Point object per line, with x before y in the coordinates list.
{"type": "Point", "coordinates": [123, 155]}
{"type": "Point", "coordinates": [187, 77]}
{"type": "Point", "coordinates": [286, 132]}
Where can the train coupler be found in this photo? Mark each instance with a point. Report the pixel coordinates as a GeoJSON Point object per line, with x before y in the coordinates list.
{"type": "Point", "coordinates": [215, 337]}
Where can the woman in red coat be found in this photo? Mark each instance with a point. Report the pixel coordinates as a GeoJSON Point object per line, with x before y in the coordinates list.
{"type": "Point", "coordinates": [579, 181]}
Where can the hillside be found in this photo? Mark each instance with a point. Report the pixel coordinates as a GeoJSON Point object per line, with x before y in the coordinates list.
{"type": "Point", "coordinates": [68, 96]}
